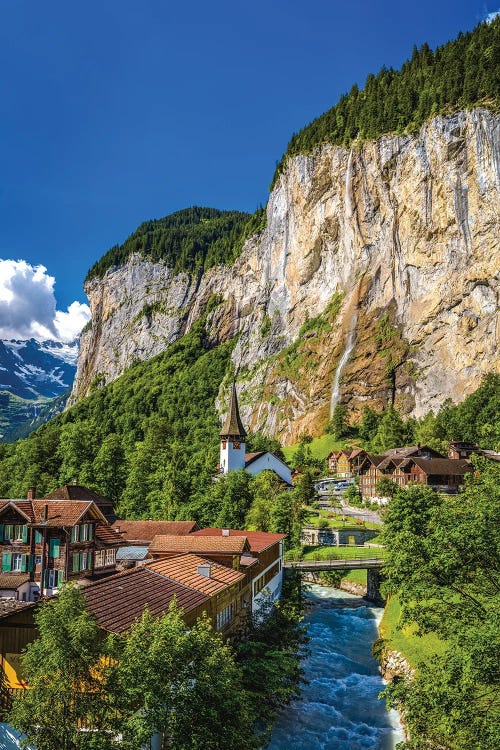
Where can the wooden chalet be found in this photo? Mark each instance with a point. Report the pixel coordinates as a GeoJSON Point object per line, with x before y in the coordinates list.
{"type": "Point", "coordinates": [142, 533]}
{"type": "Point", "coordinates": [225, 549]}
{"type": "Point", "coordinates": [49, 541]}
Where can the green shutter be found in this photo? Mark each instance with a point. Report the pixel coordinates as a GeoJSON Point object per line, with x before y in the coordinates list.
{"type": "Point", "coordinates": [25, 534]}
{"type": "Point", "coordinates": [91, 532]}
{"type": "Point", "coordinates": [38, 537]}
{"type": "Point", "coordinates": [24, 563]}
{"type": "Point", "coordinates": [1, 532]}
{"type": "Point", "coordinates": [31, 563]}
{"type": "Point", "coordinates": [54, 548]}
{"type": "Point", "coordinates": [6, 561]}
{"type": "Point", "coordinates": [81, 532]}
{"type": "Point", "coordinates": [89, 560]}
{"type": "Point", "coordinates": [74, 534]}
{"type": "Point", "coordinates": [60, 577]}
{"type": "Point", "coordinates": [76, 562]}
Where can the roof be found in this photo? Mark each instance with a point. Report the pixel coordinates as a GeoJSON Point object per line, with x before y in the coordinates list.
{"type": "Point", "coordinates": [76, 492]}
{"type": "Point", "coordinates": [60, 512]}
{"type": "Point", "coordinates": [247, 562]}
{"type": "Point", "coordinates": [249, 457]}
{"type": "Point", "coordinates": [118, 601]}
{"type": "Point", "coordinates": [13, 580]}
{"type": "Point", "coordinates": [411, 450]}
{"type": "Point", "coordinates": [491, 455]}
{"type": "Point", "coordinates": [132, 553]}
{"type": "Point", "coordinates": [184, 569]}
{"type": "Point", "coordinates": [448, 466]}
{"type": "Point", "coordinates": [10, 606]}
{"type": "Point", "coordinates": [230, 545]}
{"type": "Point", "coordinates": [257, 540]}
{"type": "Point", "coordinates": [106, 536]}
{"type": "Point", "coordinates": [145, 531]}
{"type": "Point", "coordinates": [64, 512]}
{"type": "Point", "coordinates": [233, 426]}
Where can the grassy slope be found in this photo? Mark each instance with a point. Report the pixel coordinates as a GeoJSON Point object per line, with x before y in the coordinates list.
{"type": "Point", "coordinates": [320, 447]}
{"type": "Point", "coordinates": [417, 649]}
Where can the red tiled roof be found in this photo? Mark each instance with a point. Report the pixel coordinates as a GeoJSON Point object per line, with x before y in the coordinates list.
{"type": "Point", "coordinates": [258, 540]}
{"type": "Point", "coordinates": [118, 601]}
{"type": "Point", "coordinates": [64, 512]}
{"type": "Point", "coordinates": [247, 562]}
{"type": "Point", "coordinates": [106, 536]}
{"type": "Point", "coordinates": [234, 545]}
{"type": "Point", "coordinates": [145, 531]}
{"type": "Point", "coordinates": [184, 569]}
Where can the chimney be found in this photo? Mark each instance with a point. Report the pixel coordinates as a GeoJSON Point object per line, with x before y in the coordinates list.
{"type": "Point", "coordinates": [225, 532]}
{"type": "Point", "coordinates": [31, 492]}
{"type": "Point", "coordinates": [117, 529]}
{"type": "Point", "coordinates": [205, 570]}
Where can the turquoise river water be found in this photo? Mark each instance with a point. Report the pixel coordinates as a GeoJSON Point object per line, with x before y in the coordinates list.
{"type": "Point", "coordinates": [339, 708]}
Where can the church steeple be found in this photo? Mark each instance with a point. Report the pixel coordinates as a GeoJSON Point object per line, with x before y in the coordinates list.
{"type": "Point", "coordinates": [233, 427]}
{"type": "Point", "coordinates": [232, 438]}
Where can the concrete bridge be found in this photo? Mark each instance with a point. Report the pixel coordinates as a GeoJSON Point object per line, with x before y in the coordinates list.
{"type": "Point", "coordinates": [372, 565]}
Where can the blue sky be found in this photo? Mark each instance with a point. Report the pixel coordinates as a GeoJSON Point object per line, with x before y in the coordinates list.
{"type": "Point", "coordinates": [117, 111]}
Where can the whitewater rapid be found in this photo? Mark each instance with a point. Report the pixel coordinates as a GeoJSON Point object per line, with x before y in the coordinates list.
{"type": "Point", "coordinates": [339, 708]}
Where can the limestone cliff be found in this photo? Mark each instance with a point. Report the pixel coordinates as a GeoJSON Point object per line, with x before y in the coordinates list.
{"type": "Point", "coordinates": [376, 279]}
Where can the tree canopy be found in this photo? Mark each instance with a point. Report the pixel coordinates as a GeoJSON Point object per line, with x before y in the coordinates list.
{"type": "Point", "coordinates": [459, 74]}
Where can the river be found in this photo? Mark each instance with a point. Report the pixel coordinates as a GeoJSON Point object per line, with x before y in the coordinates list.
{"type": "Point", "coordinates": [339, 708]}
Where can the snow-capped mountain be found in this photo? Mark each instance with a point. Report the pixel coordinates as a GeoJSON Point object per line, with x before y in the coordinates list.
{"type": "Point", "coordinates": [32, 373]}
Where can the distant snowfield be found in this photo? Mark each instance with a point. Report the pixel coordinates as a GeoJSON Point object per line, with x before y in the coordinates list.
{"type": "Point", "coordinates": [9, 738]}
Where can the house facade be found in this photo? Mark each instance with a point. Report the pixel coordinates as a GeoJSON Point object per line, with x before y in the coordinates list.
{"type": "Point", "coordinates": [45, 542]}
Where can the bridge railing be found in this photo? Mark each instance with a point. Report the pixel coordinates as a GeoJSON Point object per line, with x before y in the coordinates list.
{"type": "Point", "coordinates": [338, 552]}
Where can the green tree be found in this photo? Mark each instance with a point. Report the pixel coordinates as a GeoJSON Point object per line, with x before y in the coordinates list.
{"type": "Point", "coordinates": [62, 670]}
{"type": "Point", "coordinates": [443, 563]}
{"type": "Point", "coordinates": [369, 424]}
{"type": "Point", "coordinates": [109, 469]}
{"type": "Point", "coordinates": [338, 426]}
{"type": "Point", "coordinates": [386, 487]}
{"type": "Point", "coordinates": [391, 432]}
{"type": "Point", "coordinates": [181, 684]}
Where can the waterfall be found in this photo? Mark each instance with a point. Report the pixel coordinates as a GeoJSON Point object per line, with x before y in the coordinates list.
{"type": "Point", "coordinates": [342, 363]}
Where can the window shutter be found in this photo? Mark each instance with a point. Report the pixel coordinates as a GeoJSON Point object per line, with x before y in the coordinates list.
{"type": "Point", "coordinates": [38, 537]}
{"type": "Point", "coordinates": [60, 577]}
{"type": "Point", "coordinates": [82, 532]}
{"type": "Point", "coordinates": [76, 562]}
{"type": "Point", "coordinates": [25, 534]}
{"type": "Point", "coordinates": [1, 532]}
{"type": "Point", "coordinates": [89, 560]}
{"type": "Point", "coordinates": [91, 531]}
{"type": "Point", "coordinates": [55, 548]}
{"type": "Point", "coordinates": [24, 563]}
{"type": "Point", "coordinates": [31, 563]}
{"type": "Point", "coordinates": [74, 534]}
{"type": "Point", "coordinates": [6, 561]}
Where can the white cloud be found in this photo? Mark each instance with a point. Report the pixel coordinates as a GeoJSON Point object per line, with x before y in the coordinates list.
{"type": "Point", "coordinates": [28, 305]}
{"type": "Point", "coordinates": [491, 16]}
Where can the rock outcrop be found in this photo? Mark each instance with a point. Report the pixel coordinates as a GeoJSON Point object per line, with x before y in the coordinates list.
{"type": "Point", "coordinates": [387, 254]}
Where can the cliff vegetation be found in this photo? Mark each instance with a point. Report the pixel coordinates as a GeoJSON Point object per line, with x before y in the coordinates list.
{"type": "Point", "coordinates": [460, 74]}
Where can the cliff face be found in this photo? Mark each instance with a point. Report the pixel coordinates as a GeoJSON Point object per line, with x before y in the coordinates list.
{"type": "Point", "coordinates": [376, 279]}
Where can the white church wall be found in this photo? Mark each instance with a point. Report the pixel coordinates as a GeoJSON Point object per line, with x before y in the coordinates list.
{"type": "Point", "coordinates": [268, 461]}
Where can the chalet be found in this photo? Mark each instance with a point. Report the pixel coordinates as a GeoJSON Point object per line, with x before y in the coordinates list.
{"type": "Point", "coordinates": [345, 464]}
{"type": "Point", "coordinates": [459, 449]}
{"type": "Point", "coordinates": [50, 541]}
{"type": "Point", "coordinates": [263, 561]}
{"type": "Point", "coordinates": [72, 492]}
{"type": "Point", "coordinates": [443, 474]}
{"type": "Point", "coordinates": [232, 448]}
{"type": "Point", "coordinates": [228, 590]}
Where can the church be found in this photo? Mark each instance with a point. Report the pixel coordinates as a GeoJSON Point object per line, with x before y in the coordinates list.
{"type": "Point", "coordinates": [233, 455]}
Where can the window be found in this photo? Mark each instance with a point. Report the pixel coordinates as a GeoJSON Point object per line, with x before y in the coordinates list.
{"type": "Point", "coordinates": [84, 532]}
{"type": "Point", "coordinates": [53, 578]}
{"type": "Point", "coordinates": [75, 533]}
{"type": "Point", "coordinates": [16, 562]}
{"type": "Point", "coordinates": [38, 537]}
{"type": "Point", "coordinates": [226, 615]}
{"type": "Point", "coordinates": [99, 558]}
{"type": "Point", "coordinates": [110, 556]}
{"type": "Point", "coordinates": [8, 532]}
{"type": "Point", "coordinates": [84, 561]}
{"type": "Point", "coordinates": [38, 559]}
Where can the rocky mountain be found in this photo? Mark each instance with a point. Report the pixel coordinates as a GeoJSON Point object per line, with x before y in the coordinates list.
{"type": "Point", "coordinates": [33, 374]}
{"type": "Point", "coordinates": [375, 280]}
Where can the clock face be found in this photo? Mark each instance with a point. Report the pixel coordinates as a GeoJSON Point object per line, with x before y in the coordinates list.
{"type": "Point", "coordinates": [236, 445]}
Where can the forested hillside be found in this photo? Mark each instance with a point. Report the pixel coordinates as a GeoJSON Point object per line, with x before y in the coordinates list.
{"type": "Point", "coordinates": [458, 75]}
{"type": "Point", "coordinates": [191, 240]}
